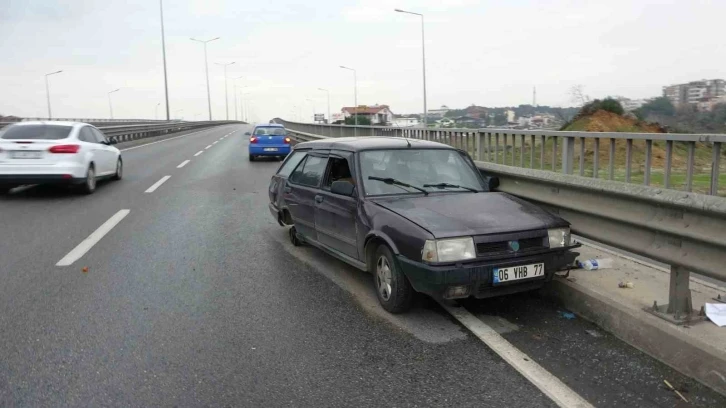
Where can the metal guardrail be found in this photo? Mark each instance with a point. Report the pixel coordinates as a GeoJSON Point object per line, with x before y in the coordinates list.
{"type": "Point", "coordinates": [682, 229]}
{"type": "Point", "coordinates": [629, 156]}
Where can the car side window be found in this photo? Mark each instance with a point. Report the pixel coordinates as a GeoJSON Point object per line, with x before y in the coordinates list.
{"type": "Point", "coordinates": [310, 172]}
{"type": "Point", "coordinates": [292, 161]}
{"type": "Point", "coordinates": [85, 135]}
{"type": "Point", "coordinates": [339, 170]}
{"type": "Point", "coordinates": [98, 135]}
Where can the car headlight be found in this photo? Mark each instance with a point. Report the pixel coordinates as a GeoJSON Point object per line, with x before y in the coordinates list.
{"type": "Point", "coordinates": [559, 237]}
{"type": "Point", "coordinates": [448, 250]}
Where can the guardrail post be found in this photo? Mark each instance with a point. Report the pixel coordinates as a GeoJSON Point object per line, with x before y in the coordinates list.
{"type": "Point", "coordinates": [568, 154]}
{"type": "Point", "coordinates": [715, 167]}
{"type": "Point", "coordinates": [679, 298]}
{"type": "Point", "coordinates": [479, 156]}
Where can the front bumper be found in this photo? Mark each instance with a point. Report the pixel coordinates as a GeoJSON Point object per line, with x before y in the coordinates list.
{"type": "Point", "coordinates": [435, 280]}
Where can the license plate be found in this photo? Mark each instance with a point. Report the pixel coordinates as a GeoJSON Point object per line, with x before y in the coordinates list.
{"type": "Point", "coordinates": [270, 149]}
{"type": "Point", "coordinates": [513, 273]}
{"type": "Point", "coordinates": [30, 154]}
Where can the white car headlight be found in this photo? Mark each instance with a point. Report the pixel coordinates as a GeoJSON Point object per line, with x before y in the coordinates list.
{"type": "Point", "coordinates": [449, 250]}
{"type": "Point", "coordinates": [559, 237]}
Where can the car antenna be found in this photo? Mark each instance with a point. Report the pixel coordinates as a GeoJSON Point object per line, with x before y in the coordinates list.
{"type": "Point", "coordinates": [404, 137]}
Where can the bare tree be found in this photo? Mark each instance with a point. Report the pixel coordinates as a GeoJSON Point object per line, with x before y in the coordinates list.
{"type": "Point", "coordinates": [577, 95]}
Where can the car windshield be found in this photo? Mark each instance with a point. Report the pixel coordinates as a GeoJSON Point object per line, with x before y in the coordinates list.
{"type": "Point", "coordinates": [429, 169]}
{"type": "Point", "coordinates": [270, 131]}
{"type": "Point", "coordinates": [42, 132]}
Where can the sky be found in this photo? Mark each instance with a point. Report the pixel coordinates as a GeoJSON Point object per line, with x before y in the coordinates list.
{"type": "Point", "coordinates": [483, 52]}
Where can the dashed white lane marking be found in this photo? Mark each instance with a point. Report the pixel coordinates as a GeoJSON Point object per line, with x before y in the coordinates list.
{"type": "Point", "coordinates": [184, 163]}
{"type": "Point", "coordinates": [215, 142]}
{"type": "Point", "coordinates": [88, 243]}
{"type": "Point", "coordinates": [198, 153]}
{"type": "Point", "coordinates": [550, 385]}
{"type": "Point", "coordinates": [207, 147]}
{"type": "Point", "coordinates": [157, 184]}
{"type": "Point", "coordinates": [165, 140]}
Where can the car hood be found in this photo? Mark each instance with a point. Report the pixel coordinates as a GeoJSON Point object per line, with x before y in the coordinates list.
{"type": "Point", "coordinates": [454, 215]}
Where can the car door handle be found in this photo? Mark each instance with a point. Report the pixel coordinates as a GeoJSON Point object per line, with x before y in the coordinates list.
{"type": "Point", "coordinates": [318, 199]}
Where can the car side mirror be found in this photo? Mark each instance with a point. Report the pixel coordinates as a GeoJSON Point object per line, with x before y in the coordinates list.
{"type": "Point", "coordinates": [112, 141]}
{"type": "Point", "coordinates": [492, 183]}
{"type": "Point", "coordinates": [345, 188]}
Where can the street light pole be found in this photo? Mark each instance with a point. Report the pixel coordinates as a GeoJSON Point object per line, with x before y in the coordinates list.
{"type": "Point", "coordinates": [110, 106]}
{"type": "Point", "coordinates": [328, 92]}
{"type": "Point", "coordinates": [234, 84]}
{"type": "Point", "coordinates": [163, 51]}
{"type": "Point", "coordinates": [156, 112]}
{"type": "Point", "coordinates": [226, 99]}
{"type": "Point", "coordinates": [423, 53]}
{"type": "Point", "coordinates": [47, 91]}
{"type": "Point", "coordinates": [206, 71]}
{"type": "Point", "coordinates": [355, 98]}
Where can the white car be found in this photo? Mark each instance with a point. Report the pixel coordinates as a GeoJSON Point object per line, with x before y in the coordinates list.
{"type": "Point", "coordinates": [58, 153]}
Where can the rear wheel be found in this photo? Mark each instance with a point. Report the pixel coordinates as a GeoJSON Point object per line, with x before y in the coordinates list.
{"type": "Point", "coordinates": [119, 170]}
{"type": "Point", "coordinates": [89, 184]}
{"type": "Point", "coordinates": [252, 158]}
{"type": "Point", "coordinates": [293, 236]}
{"type": "Point", "coordinates": [394, 291]}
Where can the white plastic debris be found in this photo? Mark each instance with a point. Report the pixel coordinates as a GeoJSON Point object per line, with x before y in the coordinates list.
{"type": "Point", "coordinates": [716, 312]}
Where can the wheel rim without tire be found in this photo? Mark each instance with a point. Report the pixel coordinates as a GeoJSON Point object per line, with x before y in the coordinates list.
{"type": "Point", "coordinates": [383, 278]}
{"type": "Point", "coordinates": [91, 179]}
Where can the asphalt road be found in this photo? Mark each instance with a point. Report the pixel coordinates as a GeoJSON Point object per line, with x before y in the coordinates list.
{"type": "Point", "coordinates": [196, 298]}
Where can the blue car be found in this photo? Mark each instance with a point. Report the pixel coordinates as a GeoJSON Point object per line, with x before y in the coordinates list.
{"type": "Point", "coordinates": [269, 140]}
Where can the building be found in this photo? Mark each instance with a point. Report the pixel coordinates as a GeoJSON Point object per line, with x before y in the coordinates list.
{"type": "Point", "coordinates": [695, 92]}
{"type": "Point", "coordinates": [406, 122]}
{"type": "Point", "coordinates": [511, 115]}
{"type": "Point", "coordinates": [438, 113]}
{"type": "Point", "coordinates": [378, 114]}
{"type": "Point", "coordinates": [630, 105]}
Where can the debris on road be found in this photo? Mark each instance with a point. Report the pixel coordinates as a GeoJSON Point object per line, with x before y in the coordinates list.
{"type": "Point", "coordinates": [567, 315]}
{"type": "Point", "coordinates": [593, 264]}
{"type": "Point", "coordinates": [593, 333]}
{"type": "Point", "coordinates": [716, 312]}
{"type": "Point", "coordinates": [626, 285]}
{"type": "Point", "coordinates": [675, 390]}
{"type": "Point", "coordinates": [85, 269]}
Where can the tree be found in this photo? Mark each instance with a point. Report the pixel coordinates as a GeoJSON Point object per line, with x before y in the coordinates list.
{"type": "Point", "coordinates": [608, 104]}
{"type": "Point", "coordinates": [362, 120]}
{"type": "Point", "coordinates": [577, 95]}
{"type": "Point", "coordinates": [659, 107]}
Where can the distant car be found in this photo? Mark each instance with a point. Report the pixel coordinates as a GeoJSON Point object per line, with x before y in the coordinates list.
{"type": "Point", "coordinates": [269, 140]}
{"type": "Point", "coordinates": [419, 216]}
{"type": "Point", "coordinates": [58, 153]}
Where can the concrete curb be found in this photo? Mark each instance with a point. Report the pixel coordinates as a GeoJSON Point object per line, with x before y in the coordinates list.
{"type": "Point", "coordinates": [669, 344]}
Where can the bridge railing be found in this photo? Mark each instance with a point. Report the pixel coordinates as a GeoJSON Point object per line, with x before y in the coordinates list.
{"type": "Point", "coordinates": [680, 228]}
{"type": "Point", "coordinates": [687, 162]}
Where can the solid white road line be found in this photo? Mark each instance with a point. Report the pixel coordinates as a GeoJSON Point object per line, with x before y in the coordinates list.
{"type": "Point", "coordinates": [207, 147]}
{"type": "Point", "coordinates": [184, 163]}
{"type": "Point", "coordinates": [92, 239]}
{"type": "Point", "coordinates": [550, 385]}
{"type": "Point", "coordinates": [157, 184]}
{"type": "Point", "coordinates": [215, 142]}
{"type": "Point", "coordinates": [198, 153]}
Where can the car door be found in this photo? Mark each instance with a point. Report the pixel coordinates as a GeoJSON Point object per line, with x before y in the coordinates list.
{"type": "Point", "coordinates": [107, 154]}
{"type": "Point", "coordinates": [301, 188]}
{"type": "Point", "coordinates": [277, 182]}
{"type": "Point", "coordinates": [89, 143]}
{"type": "Point", "coordinates": [335, 214]}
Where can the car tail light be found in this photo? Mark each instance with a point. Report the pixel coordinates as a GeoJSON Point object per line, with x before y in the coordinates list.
{"type": "Point", "coordinates": [287, 140]}
{"type": "Point", "coordinates": [253, 139]}
{"type": "Point", "coordinates": [71, 149]}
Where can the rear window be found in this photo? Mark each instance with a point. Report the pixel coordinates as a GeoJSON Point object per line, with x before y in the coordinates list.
{"type": "Point", "coordinates": [45, 132]}
{"type": "Point", "coordinates": [270, 131]}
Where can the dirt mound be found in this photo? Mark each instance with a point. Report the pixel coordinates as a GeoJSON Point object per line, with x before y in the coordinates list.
{"type": "Point", "coordinates": [604, 121]}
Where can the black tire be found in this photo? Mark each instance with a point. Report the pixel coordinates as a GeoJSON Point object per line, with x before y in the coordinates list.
{"type": "Point", "coordinates": [119, 170]}
{"type": "Point", "coordinates": [6, 189]}
{"type": "Point", "coordinates": [89, 183]}
{"type": "Point", "coordinates": [293, 237]}
{"type": "Point", "coordinates": [393, 289]}
{"type": "Point", "coordinates": [252, 158]}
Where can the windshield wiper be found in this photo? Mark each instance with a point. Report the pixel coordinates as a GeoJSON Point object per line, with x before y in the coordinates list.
{"type": "Point", "coordinates": [444, 185]}
{"type": "Point", "coordinates": [389, 180]}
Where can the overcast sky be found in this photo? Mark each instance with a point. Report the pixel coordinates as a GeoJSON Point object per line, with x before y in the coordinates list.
{"type": "Point", "coordinates": [480, 52]}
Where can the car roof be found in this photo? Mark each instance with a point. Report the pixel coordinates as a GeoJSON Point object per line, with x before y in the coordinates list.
{"type": "Point", "coordinates": [48, 122]}
{"type": "Point", "coordinates": [370, 143]}
{"type": "Point", "coordinates": [277, 125]}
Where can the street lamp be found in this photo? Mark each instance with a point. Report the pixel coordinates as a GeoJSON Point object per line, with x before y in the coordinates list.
{"type": "Point", "coordinates": [355, 98]}
{"type": "Point", "coordinates": [156, 112]}
{"type": "Point", "coordinates": [206, 70]}
{"type": "Point", "coordinates": [234, 86]}
{"type": "Point", "coordinates": [47, 91]}
{"type": "Point", "coordinates": [163, 52]}
{"type": "Point", "coordinates": [423, 53]}
{"type": "Point", "coordinates": [110, 106]}
{"type": "Point", "coordinates": [226, 99]}
{"type": "Point", "coordinates": [328, 92]}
